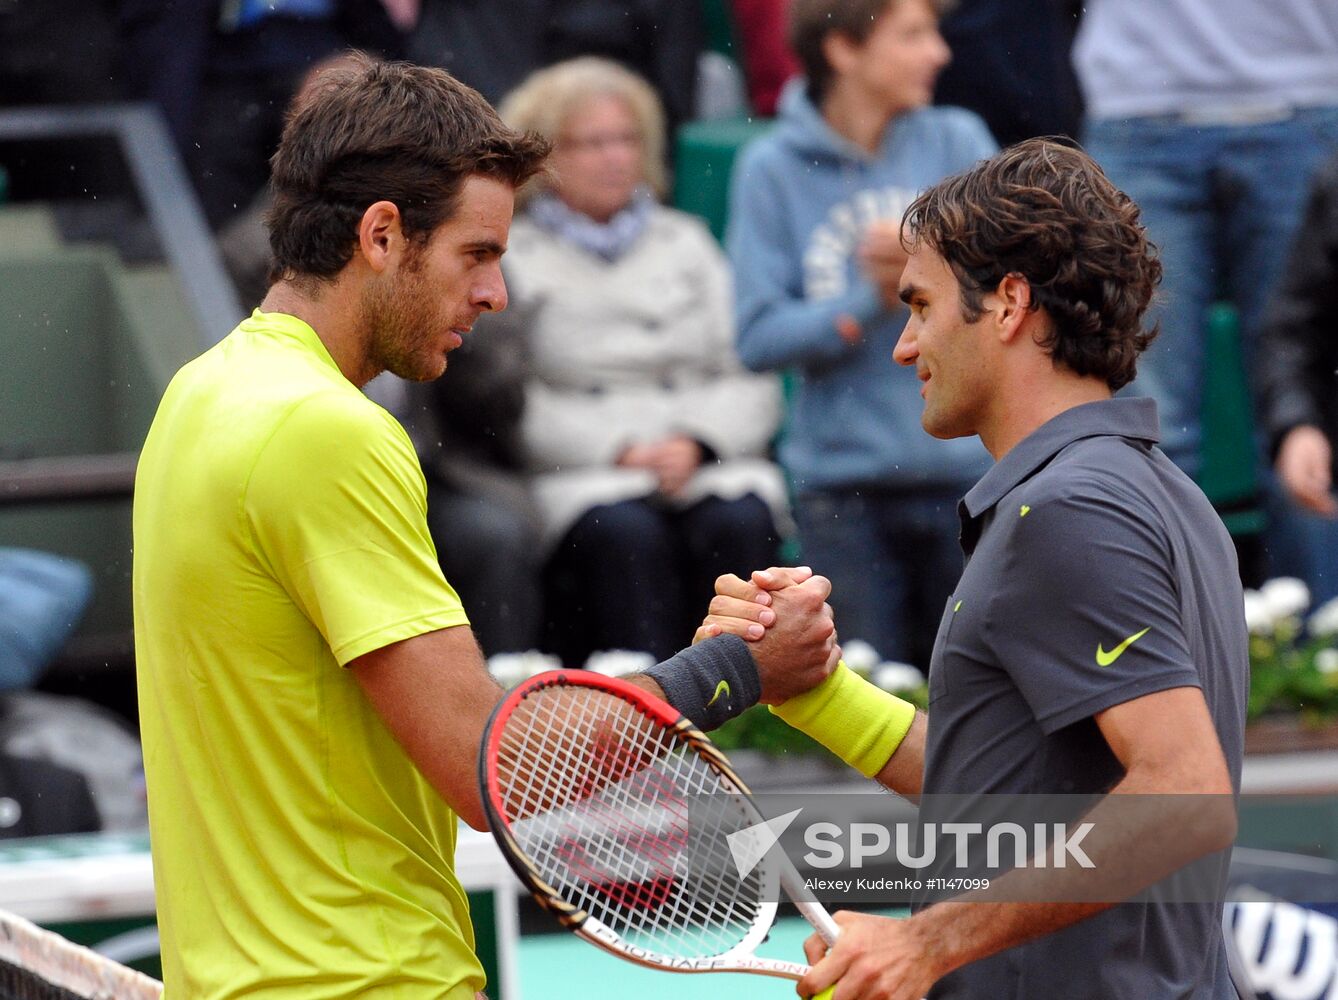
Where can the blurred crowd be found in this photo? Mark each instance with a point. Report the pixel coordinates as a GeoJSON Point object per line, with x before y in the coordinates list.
{"type": "Point", "coordinates": [654, 409]}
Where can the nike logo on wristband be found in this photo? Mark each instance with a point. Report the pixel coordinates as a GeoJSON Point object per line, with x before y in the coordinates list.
{"type": "Point", "coordinates": [721, 688]}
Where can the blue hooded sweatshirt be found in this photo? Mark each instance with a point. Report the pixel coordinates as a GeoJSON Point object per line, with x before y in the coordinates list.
{"type": "Point", "coordinates": [801, 198]}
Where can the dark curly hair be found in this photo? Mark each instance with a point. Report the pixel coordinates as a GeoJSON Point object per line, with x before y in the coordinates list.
{"type": "Point", "coordinates": [1043, 209]}
{"type": "Point", "coordinates": [369, 131]}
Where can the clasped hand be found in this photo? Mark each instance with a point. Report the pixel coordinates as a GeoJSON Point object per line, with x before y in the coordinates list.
{"type": "Point", "coordinates": [784, 613]}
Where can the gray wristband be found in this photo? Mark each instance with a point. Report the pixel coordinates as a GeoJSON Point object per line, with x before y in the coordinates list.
{"type": "Point", "coordinates": [710, 682]}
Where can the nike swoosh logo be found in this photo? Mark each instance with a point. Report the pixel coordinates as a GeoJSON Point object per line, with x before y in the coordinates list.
{"type": "Point", "coordinates": [721, 688]}
{"type": "Point", "coordinates": [1104, 659]}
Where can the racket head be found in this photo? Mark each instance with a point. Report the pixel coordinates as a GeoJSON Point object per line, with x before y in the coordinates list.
{"type": "Point", "coordinates": [615, 812]}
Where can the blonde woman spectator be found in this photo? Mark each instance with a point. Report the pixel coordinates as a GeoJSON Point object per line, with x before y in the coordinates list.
{"type": "Point", "coordinates": [646, 439]}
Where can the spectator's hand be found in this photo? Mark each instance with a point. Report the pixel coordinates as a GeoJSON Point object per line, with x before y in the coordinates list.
{"type": "Point", "coordinates": [1304, 466]}
{"type": "Point", "coordinates": [674, 461]}
{"type": "Point", "coordinates": [884, 258]}
{"type": "Point", "coordinates": [875, 958]}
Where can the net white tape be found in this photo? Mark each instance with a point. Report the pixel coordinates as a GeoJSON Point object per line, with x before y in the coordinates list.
{"type": "Point", "coordinates": [44, 965]}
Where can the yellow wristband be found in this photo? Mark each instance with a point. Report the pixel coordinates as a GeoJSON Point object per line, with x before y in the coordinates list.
{"type": "Point", "coordinates": [858, 721]}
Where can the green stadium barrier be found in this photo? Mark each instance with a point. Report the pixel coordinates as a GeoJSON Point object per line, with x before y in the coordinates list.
{"type": "Point", "coordinates": [1229, 473]}
{"type": "Point", "coordinates": [88, 348]}
{"type": "Point", "coordinates": [704, 158]}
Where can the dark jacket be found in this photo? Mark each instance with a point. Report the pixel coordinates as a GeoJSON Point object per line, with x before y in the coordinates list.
{"type": "Point", "coordinates": [1298, 356]}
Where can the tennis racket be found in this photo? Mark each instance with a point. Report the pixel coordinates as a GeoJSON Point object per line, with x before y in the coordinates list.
{"type": "Point", "coordinates": [617, 815]}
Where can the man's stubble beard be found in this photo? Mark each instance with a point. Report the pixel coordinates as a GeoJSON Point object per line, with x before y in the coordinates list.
{"type": "Point", "coordinates": [399, 321]}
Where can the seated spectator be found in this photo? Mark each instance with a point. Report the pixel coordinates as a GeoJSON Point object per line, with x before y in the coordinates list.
{"type": "Point", "coordinates": [645, 437]}
{"type": "Point", "coordinates": [1298, 370]}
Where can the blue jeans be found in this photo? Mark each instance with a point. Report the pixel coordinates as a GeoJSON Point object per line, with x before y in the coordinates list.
{"type": "Point", "coordinates": [1222, 202]}
{"type": "Point", "coordinates": [893, 558]}
{"type": "Point", "coordinates": [42, 598]}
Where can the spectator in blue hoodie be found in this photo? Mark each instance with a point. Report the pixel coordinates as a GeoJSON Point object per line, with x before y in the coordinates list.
{"type": "Point", "coordinates": [814, 238]}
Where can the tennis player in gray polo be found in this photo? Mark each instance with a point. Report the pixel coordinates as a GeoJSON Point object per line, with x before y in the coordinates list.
{"type": "Point", "coordinates": [1097, 573]}
{"type": "Point", "coordinates": [1096, 641]}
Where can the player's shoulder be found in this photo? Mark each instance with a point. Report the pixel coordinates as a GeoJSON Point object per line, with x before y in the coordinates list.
{"type": "Point", "coordinates": [1093, 487]}
{"type": "Point", "coordinates": [334, 419]}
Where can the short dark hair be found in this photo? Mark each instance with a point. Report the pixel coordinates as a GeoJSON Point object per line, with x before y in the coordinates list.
{"type": "Point", "coordinates": [370, 130]}
{"type": "Point", "coordinates": [811, 21]}
{"type": "Point", "coordinates": [1043, 209]}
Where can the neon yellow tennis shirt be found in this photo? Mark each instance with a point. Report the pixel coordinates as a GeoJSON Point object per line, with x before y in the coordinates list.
{"type": "Point", "coordinates": [279, 532]}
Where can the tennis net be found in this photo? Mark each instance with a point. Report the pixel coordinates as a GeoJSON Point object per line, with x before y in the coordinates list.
{"type": "Point", "coordinates": [36, 964]}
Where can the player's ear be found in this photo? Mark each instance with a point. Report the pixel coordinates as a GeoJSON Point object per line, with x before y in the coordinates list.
{"type": "Point", "coordinates": [380, 234]}
{"type": "Point", "coordinates": [1010, 304]}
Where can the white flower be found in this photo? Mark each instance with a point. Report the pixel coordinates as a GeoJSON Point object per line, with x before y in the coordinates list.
{"type": "Point", "coordinates": [859, 656]}
{"type": "Point", "coordinates": [1285, 596]}
{"type": "Point", "coordinates": [509, 669]}
{"type": "Point", "coordinates": [619, 662]}
{"type": "Point", "coordinates": [1258, 618]}
{"type": "Point", "coordinates": [896, 677]}
{"type": "Point", "coordinates": [1326, 661]}
{"type": "Point", "coordinates": [1325, 619]}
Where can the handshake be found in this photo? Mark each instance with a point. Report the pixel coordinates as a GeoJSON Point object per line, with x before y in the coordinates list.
{"type": "Point", "coordinates": [784, 616]}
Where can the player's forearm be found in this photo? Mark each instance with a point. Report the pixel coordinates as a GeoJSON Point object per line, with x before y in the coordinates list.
{"type": "Point", "coordinates": [1138, 835]}
{"type": "Point", "coordinates": [646, 684]}
{"type": "Point", "coordinates": [905, 770]}
{"type": "Point", "coordinates": [954, 934]}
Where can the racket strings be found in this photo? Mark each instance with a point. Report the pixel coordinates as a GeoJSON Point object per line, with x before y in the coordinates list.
{"type": "Point", "coordinates": [626, 822]}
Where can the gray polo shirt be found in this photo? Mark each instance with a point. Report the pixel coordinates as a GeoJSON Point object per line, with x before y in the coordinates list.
{"type": "Point", "coordinates": [1096, 573]}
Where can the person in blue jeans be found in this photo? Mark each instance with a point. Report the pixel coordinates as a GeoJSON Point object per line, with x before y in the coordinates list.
{"type": "Point", "coordinates": [814, 236]}
{"type": "Point", "coordinates": [1214, 123]}
{"type": "Point", "coordinates": [42, 598]}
